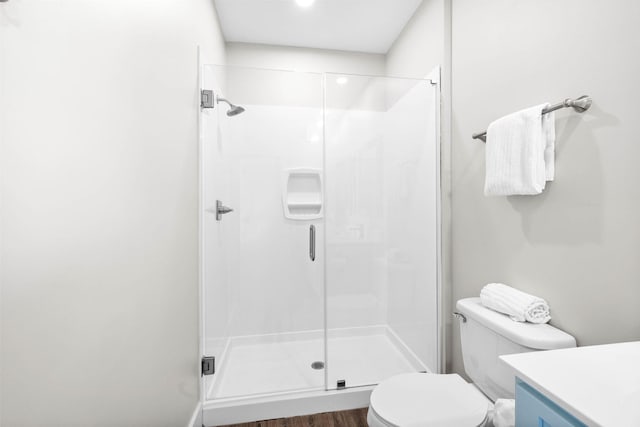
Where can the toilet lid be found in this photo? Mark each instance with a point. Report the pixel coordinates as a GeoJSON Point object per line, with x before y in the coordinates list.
{"type": "Point", "coordinates": [419, 400]}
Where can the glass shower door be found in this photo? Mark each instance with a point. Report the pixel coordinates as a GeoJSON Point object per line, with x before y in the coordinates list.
{"type": "Point", "coordinates": [381, 168]}
{"type": "Point", "coordinates": [263, 261]}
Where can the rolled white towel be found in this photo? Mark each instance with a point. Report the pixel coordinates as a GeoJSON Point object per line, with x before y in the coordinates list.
{"type": "Point", "coordinates": [504, 413]}
{"type": "Point", "coordinates": [518, 305]}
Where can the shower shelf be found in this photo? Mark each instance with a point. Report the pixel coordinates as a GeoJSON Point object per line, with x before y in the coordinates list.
{"type": "Point", "coordinates": [304, 204]}
{"type": "Point", "coordinates": [302, 194]}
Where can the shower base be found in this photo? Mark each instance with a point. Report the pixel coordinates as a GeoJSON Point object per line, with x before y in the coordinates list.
{"type": "Point", "coordinates": [271, 376]}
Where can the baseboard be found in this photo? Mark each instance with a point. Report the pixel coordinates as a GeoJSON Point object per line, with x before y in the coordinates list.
{"type": "Point", "coordinates": [196, 418]}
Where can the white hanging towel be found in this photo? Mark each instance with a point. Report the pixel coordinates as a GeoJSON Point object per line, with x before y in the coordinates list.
{"type": "Point", "coordinates": [518, 305]}
{"type": "Point", "coordinates": [549, 136]}
{"type": "Point", "coordinates": [520, 153]}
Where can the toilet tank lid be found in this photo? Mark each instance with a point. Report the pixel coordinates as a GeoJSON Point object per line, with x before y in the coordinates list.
{"type": "Point", "coordinates": [531, 335]}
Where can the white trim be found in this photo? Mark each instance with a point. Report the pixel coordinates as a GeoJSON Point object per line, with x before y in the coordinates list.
{"type": "Point", "coordinates": [325, 290]}
{"type": "Point", "coordinates": [243, 410]}
{"type": "Point", "coordinates": [196, 417]}
{"type": "Point", "coordinates": [201, 330]}
{"type": "Point", "coordinates": [435, 78]}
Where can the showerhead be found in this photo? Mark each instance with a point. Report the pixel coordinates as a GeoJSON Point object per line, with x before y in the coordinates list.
{"type": "Point", "coordinates": [234, 110]}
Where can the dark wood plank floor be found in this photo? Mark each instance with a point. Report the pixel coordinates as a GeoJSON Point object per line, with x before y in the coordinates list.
{"type": "Point", "coordinates": [353, 418]}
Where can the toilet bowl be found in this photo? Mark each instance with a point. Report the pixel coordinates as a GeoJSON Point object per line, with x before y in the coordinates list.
{"type": "Point", "coordinates": [447, 400]}
{"type": "Point", "coordinates": [419, 400]}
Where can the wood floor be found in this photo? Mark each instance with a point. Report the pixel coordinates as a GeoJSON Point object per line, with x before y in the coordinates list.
{"type": "Point", "coordinates": [353, 418]}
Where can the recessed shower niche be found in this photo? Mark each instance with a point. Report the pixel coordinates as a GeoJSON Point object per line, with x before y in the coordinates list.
{"type": "Point", "coordinates": [302, 194]}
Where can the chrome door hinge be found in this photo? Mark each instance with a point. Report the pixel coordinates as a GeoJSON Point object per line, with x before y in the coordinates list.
{"type": "Point", "coordinates": [206, 98]}
{"type": "Point", "coordinates": [208, 365]}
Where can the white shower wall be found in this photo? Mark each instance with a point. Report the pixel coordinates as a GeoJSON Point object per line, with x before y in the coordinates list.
{"type": "Point", "coordinates": [356, 256]}
{"type": "Point", "coordinates": [214, 171]}
{"type": "Point", "coordinates": [411, 167]}
{"type": "Point", "coordinates": [382, 247]}
{"type": "Point", "coordinates": [258, 278]}
{"type": "Point", "coordinates": [273, 285]}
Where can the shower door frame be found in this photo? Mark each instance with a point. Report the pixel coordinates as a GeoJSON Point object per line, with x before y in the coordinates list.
{"type": "Point", "coordinates": [245, 408]}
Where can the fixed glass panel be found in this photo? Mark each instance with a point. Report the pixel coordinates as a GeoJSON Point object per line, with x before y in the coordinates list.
{"type": "Point", "coordinates": [381, 169]}
{"type": "Point", "coordinates": [263, 261]}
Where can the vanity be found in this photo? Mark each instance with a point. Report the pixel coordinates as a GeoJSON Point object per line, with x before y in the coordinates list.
{"type": "Point", "coordinates": [575, 387]}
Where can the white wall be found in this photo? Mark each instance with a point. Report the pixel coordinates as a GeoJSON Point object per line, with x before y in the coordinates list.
{"type": "Point", "coordinates": [99, 201]}
{"type": "Point", "coordinates": [577, 244]}
{"type": "Point", "coordinates": [3, 99]}
{"type": "Point", "coordinates": [304, 59]}
{"type": "Point", "coordinates": [421, 45]}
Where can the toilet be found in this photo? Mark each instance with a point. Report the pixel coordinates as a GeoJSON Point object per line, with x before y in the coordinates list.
{"type": "Point", "coordinates": [447, 400]}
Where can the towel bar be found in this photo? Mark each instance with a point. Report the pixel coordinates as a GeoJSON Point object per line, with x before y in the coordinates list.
{"type": "Point", "coordinates": [580, 105]}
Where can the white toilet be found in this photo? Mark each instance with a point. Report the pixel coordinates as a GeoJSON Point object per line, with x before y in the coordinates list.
{"type": "Point", "coordinates": [425, 400]}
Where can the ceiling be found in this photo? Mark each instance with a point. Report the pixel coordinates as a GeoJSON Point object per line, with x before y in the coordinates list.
{"type": "Point", "coordinates": [353, 25]}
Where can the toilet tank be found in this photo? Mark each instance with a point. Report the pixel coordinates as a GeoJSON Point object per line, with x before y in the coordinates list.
{"type": "Point", "coordinates": [487, 334]}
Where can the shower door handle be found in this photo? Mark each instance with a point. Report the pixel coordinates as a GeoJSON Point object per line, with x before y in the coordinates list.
{"type": "Point", "coordinates": [312, 242]}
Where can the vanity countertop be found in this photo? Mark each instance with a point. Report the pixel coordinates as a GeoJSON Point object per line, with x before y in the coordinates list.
{"type": "Point", "coordinates": [599, 385]}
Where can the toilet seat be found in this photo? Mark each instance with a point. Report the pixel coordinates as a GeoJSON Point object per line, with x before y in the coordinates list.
{"type": "Point", "coordinates": [424, 400]}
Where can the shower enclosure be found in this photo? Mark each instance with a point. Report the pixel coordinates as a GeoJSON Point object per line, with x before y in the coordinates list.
{"type": "Point", "coordinates": [323, 278]}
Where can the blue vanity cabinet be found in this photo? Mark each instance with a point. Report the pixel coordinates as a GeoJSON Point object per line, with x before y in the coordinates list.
{"type": "Point", "coordinates": [533, 409]}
